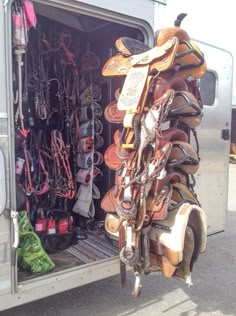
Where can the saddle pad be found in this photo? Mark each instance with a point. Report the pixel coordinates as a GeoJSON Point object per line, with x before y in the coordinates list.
{"type": "Point", "coordinates": [133, 88]}
{"type": "Point", "coordinates": [183, 272]}
{"type": "Point", "coordinates": [173, 240]}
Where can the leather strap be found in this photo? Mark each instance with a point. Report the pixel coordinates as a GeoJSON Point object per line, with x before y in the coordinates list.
{"type": "Point", "coordinates": [122, 264]}
{"type": "Point", "coordinates": [145, 248]}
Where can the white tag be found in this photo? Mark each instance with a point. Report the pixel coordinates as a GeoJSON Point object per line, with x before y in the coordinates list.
{"type": "Point", "coordinates": [51, 231]}
{"type": "Point", "coordinates": [162, 174]}
{"type": "Point", "coordinates": [133, 88]}
{"type": "Point", "coordinates": [127, 191]}
{"type": "Point", "coordinates": [129, 236]}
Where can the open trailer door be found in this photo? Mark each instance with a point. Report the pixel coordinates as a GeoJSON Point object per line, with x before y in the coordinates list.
{"type": "Point", "coordinates": [6, 275]}
{"type": "Point", "coordinates": [214, 136]}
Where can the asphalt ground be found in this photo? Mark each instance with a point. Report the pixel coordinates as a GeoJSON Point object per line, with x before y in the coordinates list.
{"type": "Point", "coordinates": [213, 292]}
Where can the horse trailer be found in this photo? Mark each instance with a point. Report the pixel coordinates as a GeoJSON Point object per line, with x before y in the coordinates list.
{"type": "Point", "coordinates": [98, 24]}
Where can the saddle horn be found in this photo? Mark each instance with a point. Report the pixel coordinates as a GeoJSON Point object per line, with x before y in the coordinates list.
{"type": "Point", "coordinates": [179, 19]}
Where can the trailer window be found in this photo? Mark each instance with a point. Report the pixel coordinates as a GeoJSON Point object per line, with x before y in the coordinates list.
{"type": "Point", "coordinates": [208, 88]}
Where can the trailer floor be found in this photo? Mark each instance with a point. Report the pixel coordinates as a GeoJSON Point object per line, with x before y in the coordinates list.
{"type": "Point", "coordinates": [62, 259]}
{"type": "Point", "coordinates": [213, 293]}
{"type": "Point", "coordinates": [94, 248]}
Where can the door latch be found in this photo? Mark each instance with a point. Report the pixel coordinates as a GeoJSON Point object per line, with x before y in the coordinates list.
{"type": "Point", "coordinates": [14, 216]}
{"type": "Point", "coordinates": [225, 134]}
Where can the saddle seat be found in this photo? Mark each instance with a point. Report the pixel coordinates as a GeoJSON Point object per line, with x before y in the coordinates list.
{"type": "Point", "coordinates": [128, 46]}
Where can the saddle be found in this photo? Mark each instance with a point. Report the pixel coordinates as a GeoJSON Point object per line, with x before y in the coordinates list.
{"type": "Point", "coordinates": [157, 204]}
{"type": "Point", "coordinates": [113, 198]}
{"type": "Point", "coordinates": [170, 242]}
{"type": "Point", "coordinates": [170, 176]}
{"type": "Point", "coordinates": [186, 109]}
{"type": "Point", "coordinates": [113, 114]}
{"type": "Point", "coordinates": [161, 85]}
{"type": "Point", "coordinates": [184, 157]}
{"type": "Point", "coordinates": [180, 195]}
{"type": "Point", "coordinates": [189, 60]}
{"type": "Point", "coordinates": [151, 209]}
{"type": "Point", "coordinates": [174, 134]}
{"type": "Point", "coordinates": [137, 82]}
{"type": "Point", "coordinates": [159, 58]}
{"type": "Point", "coordinates": [114, 153]}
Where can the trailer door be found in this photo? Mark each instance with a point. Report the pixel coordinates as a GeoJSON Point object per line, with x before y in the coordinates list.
{"type": "Point", "coordinates": [214, 136]}
{"type": "Point", "coordinates": [5, 240]}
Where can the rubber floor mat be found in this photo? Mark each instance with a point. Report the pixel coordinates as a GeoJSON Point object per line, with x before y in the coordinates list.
{"type": "Point", "coordinates": [93, 248]}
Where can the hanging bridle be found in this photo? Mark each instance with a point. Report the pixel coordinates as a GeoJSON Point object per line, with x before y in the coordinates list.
{"type": "Point", "coordinates": [64, 184]}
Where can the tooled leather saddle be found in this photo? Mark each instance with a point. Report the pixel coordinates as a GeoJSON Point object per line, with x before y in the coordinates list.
{"type": "Point", "coordinates": [151, 208]}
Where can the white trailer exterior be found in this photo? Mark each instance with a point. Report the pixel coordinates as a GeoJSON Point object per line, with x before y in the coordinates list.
{"type": "Point", "coordinates": [212, 178]}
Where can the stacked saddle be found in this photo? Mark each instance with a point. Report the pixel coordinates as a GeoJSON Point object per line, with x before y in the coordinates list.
{"type": "Point", "coordinates": [152, 208]}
